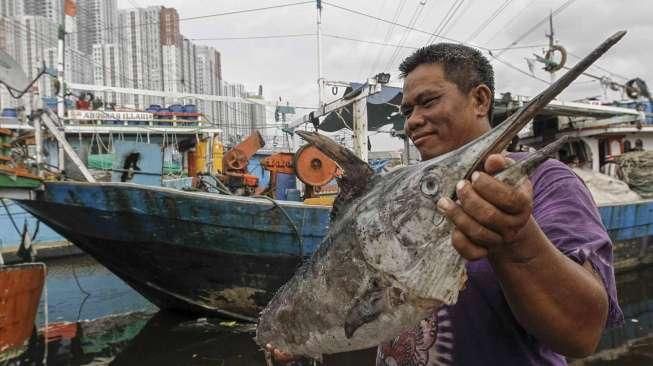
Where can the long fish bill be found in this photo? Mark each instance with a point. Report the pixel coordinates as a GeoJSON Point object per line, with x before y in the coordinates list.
{"type": "Point", "coordinates": [504, 133]}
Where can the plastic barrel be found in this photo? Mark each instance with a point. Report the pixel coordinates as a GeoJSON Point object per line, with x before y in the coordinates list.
{"type": "Point", "coordinates": [50, 102]}
{"type": "Point", "coordinates": [9, 113]}
{"type": "Point", "coordinates": [190, 108]}
{"type": "Point", "coordinates": [176, 108]}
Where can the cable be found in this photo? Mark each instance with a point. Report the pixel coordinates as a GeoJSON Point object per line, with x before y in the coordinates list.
{"type": "Point", "coordinates": [11, 218]}
{"type": "Point", "coordinates": [254, 37]}
{"type": "Point", "coordinates": [399, 25]}
{"type": "Point", "coordinates": [538, 24]}
{"type": "Point", "coordinates": [388, 34]}
{"type": "Point", "coordinates": [365, 41]}
{"type": "Point", "coordinates": [489, 20]}
{"type": "Point", "coordinates": [411, 23]}
{"type": "Point", "coordinates": [600, 68]}
{"type": "Point", "coordinates": [447, 16]}
{"type": "Point", "coordinates": [518, 69]}
{"type": "Point", "coordinates": [362, 66]}
{"type": "Point", "coordinates": [509, 22]}
{"type": "Point", "coordinates": [244, 11]}
{"type": "Point", "coordinates": [299, 236]}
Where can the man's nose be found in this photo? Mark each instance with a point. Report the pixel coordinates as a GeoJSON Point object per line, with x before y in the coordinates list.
{"type": "Point", "coordinates": [414, 122]}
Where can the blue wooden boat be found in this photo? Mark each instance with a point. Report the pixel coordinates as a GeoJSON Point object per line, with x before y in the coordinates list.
{"type": "Point", "coordinates": [195, 252]}
{"type": "Point", "coordinates": [226, 255]}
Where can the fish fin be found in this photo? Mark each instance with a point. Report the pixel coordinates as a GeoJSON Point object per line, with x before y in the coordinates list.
{"type": "Point", "coordinates": [356, 173]}
{"type": "Point", "coordinates": [512, 174]}
{"type": "Point", "coordinates": [370, 305]}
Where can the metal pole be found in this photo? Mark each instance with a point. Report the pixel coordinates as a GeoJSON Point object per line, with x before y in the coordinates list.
{"type": "Point", "coordinates": [360, 128]}
{"type": "Point", "coordinates": [320, 80]}
{"type": "Point", "coordinates": [60, 73]}
{"type": "Point", "coordinates": [38, 141]}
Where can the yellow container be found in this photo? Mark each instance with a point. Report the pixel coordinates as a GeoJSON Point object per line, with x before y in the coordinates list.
{"type": "Point", "coordinates": [198, 158]}
{"type": "Point", "coordinates": [320, 201]}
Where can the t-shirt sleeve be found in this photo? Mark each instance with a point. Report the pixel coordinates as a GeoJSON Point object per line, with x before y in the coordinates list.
{"type": "Point", "coordinates": [566, 213]}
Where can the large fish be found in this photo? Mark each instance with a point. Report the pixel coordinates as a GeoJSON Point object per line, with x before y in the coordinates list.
{"type": "Point", "coordinates": [387, 260]}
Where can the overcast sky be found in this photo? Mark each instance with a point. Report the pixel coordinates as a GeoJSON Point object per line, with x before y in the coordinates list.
{"type": "Point", "coordinates": [287, 67]}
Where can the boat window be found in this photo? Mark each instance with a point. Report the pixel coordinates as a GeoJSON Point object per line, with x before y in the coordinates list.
{"type": "Point", "coordinates": [627, 146]}
{"type": "Point", "coordinates": [639, 145]}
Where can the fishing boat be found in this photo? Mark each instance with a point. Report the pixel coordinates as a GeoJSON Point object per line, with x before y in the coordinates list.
{"type": "Point", "coordinates": [21, 286]}
{"type": "Point", "coordinates": [189, 251]}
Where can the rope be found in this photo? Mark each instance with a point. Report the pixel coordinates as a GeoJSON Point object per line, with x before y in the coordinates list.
{"type": "Point", "coordinates": [277, 205]}
{"type": "Point", "coordinates": [11, 217]}
{"type": "Point", "coordinates": [81, 289]}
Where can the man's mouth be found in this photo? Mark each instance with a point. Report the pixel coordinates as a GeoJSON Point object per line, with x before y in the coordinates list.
{"type": "Point", "coordinates": [420, 138]}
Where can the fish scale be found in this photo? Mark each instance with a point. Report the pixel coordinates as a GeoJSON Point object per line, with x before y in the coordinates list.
{"type": "Point", "coordinates": [387, 261]}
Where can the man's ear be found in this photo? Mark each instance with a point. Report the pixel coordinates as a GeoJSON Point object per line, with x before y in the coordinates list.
{"type": "Point", "coordinates": [482, 99]}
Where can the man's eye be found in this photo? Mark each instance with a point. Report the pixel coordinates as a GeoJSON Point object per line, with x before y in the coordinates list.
{"type": "Point", "coordinates": [429, 101]}
{"type": "Point", "coordinates": [407, 112]}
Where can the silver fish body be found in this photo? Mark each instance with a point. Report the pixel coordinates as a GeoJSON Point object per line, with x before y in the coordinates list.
{"type": "Point", "coordinates": [387, 260]}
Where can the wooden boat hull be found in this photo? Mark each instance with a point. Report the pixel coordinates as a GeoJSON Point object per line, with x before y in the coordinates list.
{"type": "Point", "coordinates": [195, 252]}
{"type": "Point", "coordinates": [20, 289]}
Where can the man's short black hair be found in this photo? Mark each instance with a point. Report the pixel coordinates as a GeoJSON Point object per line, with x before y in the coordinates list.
{"type": "Point", "coordinates": [464, 66]}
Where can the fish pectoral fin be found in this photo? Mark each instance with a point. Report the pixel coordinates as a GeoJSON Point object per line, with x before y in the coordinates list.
{"type": "Point", "coordinates": [369, 306]}
{"type": "Point", "coordinates": [355, 171]}
{"type": "Point", "coordinates": [515, 172]}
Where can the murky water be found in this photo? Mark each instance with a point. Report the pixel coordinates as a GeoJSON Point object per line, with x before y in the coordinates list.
{"type": "Point", "coordinates": [103, 321]}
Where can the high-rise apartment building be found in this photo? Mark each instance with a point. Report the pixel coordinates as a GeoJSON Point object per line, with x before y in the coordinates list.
{"type": "Point", "coordinates": [50, 9]}
{"type": "Point", "coordinates": [97, 22]}
{"type": "Point", "coordinates": [12, 8]}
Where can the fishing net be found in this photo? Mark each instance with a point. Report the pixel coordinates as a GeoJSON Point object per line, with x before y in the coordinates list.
{"type": "Point", "coordinates": [637, 170]}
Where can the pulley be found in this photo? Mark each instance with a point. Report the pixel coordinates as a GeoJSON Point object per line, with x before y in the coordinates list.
{"type": "Point", "coordinates": [313, 167]}
{"type": "Point", "coordinates": [551, 65]}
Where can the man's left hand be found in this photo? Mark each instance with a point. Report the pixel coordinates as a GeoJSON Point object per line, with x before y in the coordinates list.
{"type": "Point", "coordinates": [491, 218]}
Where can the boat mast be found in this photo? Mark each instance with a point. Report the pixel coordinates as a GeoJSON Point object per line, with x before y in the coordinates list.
{"type": "Point", "coordinates": [320, 79]}
{"type": "Point", "coordinates": [551, 43]}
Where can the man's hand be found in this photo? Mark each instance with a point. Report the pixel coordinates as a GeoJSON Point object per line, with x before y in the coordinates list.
{"type": "Point", "coordinates": [281, 357]}
{"type": "Point", "coordinates": [494, 220]}
{"type": "Point", "coordinates": [491, 217]}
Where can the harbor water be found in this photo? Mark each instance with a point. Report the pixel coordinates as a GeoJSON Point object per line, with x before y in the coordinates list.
{"type": "Point", "coordinates": [96, 319]}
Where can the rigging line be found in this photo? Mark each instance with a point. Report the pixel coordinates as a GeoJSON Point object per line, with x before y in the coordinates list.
{"type": "Point", "coordinates": [446, 15]}
{"type": "Point", "coordinates": [416, 14]}
{"type": "Point", "coordinates": [488, 21]}
{"type": "Point", "coordinates": [457, 16]}
{"type": "Point", "coordinates": [388, 34]}
{"type": "Point", "coordinates": [448, 20]}
{"type": "Point", "coordinates": [509, 22]}
{"type": "Point", "coordinates": [600, 68]}
{"type": "Point", "coordinates": [51, 42]}
{"type": "Point", "coordinates": [518, 69]}
{"type": "Point", "coordinates": [243, 11]}
{"type": "Point", "coordinates": [255, 37]}
{"type": "Point", "coordinates": [538, 24]}
{"type": "Point", "coordinates": [399, 25]}
{"type": "Point", "coordinates": [362, 65]}
{"type": "Point", "coordinates": [366, 41]}
{"type": "Point", "coordinates": [519, 47]}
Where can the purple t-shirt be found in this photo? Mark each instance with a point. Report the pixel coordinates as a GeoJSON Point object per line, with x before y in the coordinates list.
{"type": "Point", "coordinates": [480, 329]}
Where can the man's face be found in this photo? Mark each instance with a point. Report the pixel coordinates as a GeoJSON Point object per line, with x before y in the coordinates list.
{"type": "Point", "coordinates": [439, 117]}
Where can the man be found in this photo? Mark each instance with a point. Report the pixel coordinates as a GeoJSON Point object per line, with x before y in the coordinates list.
{"type": "Point", "coordinates": [540, 279]}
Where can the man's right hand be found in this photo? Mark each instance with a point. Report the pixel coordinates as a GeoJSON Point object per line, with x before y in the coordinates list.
{"type": "Point", "coordinates": [281, 357]}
